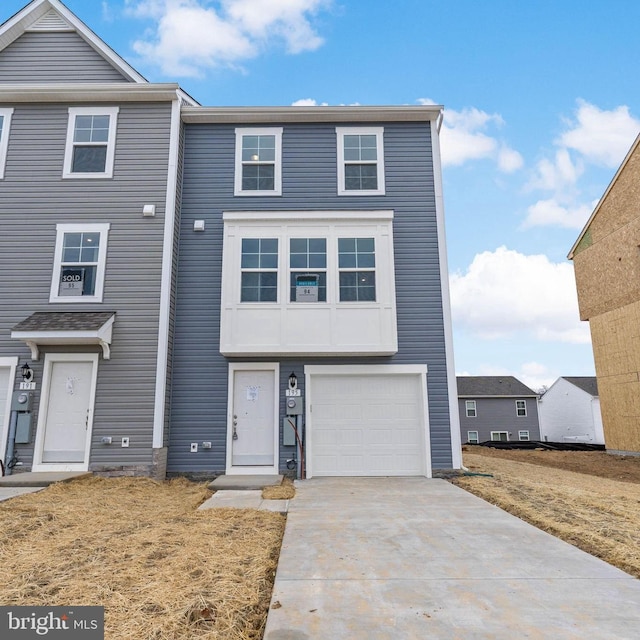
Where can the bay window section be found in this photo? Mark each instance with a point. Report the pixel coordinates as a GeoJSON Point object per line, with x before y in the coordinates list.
{"type": "Point", "coordinates": [356, 266]}
{"type": "Point", "coordinates": [259, 265]}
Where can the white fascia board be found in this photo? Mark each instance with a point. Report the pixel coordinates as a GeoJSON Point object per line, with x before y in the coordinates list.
{"type": "Point", "coordinates": [271, 115]}
{"type": "Point", "coordinates": [330, 214]}
{"type": "Point", "coordinates": [452, 385]}
{"type": "Point", "coordinates": [89, 92]}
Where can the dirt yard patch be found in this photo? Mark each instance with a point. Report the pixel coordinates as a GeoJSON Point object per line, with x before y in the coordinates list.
{"type": "Point", "coordinates": [595, 505]}
{"type": "Point", "coordinates": [161, 569]}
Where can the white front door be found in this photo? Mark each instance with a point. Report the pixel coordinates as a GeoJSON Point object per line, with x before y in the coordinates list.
{"type": "Point", "coordinates": [253, 424]}
{"type": "Point", "coordinates": [7, 375]}
{"type": "Point", "coordinates": [66, 413]}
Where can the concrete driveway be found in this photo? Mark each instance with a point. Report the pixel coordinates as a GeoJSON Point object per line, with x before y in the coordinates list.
{"type": "Point", "coordinates": [400, 558]}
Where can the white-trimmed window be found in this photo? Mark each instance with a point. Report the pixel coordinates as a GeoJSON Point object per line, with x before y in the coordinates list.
{"type": "Point", "coordinates": [308, 261]}
{"type": "Point", "coordinates": [91, 142]}
{"type": "Point", "coordinates": [521, 408]}
{"type": "Point", "coordinates": [5, 126]}
{"type": "Point", "coordinates": [357, 268]}
{"type": "Point", "coordinates": [258, 168]}
{"type": "Point", "coordinates": [472, 437]}
{"type": "Point", "coordinates": [523, 435]}
{"type": "Point", "coordinates": [80, 260]}
{"type": "Point", "coordinates": [470, 408]}
{"type": "Point", "coordinates": [500, 436]}
{"type": "Point", "coordinates": [259, 264]}
{"type": "Point", "coordinates": [360, 161]}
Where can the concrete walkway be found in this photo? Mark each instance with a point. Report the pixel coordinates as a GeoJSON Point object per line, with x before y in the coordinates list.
{"type": "Point", "coordinates": [404, 558]}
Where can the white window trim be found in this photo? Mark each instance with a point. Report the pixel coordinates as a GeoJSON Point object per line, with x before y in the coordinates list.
{"type": "Point", "coordinates": [527, 438]}
{"type": "Point", "coordinates": [277, 173]}
{"type": "Point", "coordinates": [4, 138]}
{"type": "Point", "coordinates": [112, 112]}
{"type": "Point", "coordinates": [61, 229]}
{"type": "Point", "coordinates": [499, 432]}
{"type": "Point", "coordinates": [524, 415]}
{"type": "Point", "coordinates": [12, 363]}
{"type": "Point", "coordinates": [467, 407]}
{"type": "Point", "coordinates": [476, 440]}
{"type": "Point", "coordinates": [341, 132]}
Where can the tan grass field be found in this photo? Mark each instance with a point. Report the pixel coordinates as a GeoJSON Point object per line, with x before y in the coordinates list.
{"type": "Point", "coordinates": [595, 506]}
{"type": "Point", "coordinates": [161, 569]}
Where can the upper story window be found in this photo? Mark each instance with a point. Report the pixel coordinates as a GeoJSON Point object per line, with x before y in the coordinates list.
{"type": "Point", "coordinates": [79, 263]}
{"type": "Point", "coordinates": [91, 141]}
{"type": "Point", "coordinates": [357, 267]}
{"type": "Point", "coordinates": [521, 408]}
{"type": "Point", "coordinates": [259, 264]}
{"type": "Point", "coordinates": [258, 170]}
{"type": "Point", "coordinates": [360, 161]}
{"type": "Point", "coordinates": [470, 406]}
{"type": "Point", "coordinates": [5, 124]}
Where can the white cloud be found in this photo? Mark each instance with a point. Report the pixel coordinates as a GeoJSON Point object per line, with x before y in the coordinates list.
{"type": "Point", "coordinates": [593, 138]}
{"type": "Point", "coordinates": [190, 36]}
{"type": "Point", "coordinates": [551, 212]}
{"type": "Point", "coordinates": [505, 292]}
{"type": "Point", "coordinates": [308, 102]}
{"type": "Point", "coordinates": [602, 137]}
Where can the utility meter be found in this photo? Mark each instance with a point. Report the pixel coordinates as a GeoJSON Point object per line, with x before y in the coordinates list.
{"type": "Point", "coordinates": [293, 405]}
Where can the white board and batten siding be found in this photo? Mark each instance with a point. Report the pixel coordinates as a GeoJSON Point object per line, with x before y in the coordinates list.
{"type": "Point", "coordinates": [367, 421]}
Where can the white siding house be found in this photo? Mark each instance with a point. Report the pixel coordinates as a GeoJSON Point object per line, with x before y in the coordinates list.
{"type": "Point", "coordinates": [570, 411]}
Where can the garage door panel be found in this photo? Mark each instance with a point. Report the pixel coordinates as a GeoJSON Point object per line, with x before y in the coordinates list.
{"type": "Point", "coordinates": [367, 425]}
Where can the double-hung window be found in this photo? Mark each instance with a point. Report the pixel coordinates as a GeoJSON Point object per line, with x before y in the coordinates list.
{"type": "Point", "coordinates": [91, 141]}
{"type": "Point", "coordinates": [259, 270]}
{"type": "Point", "coordinates": [5, 123]}
{"type": "Point", "coordinates": [258, 167]}
{"type": "Point", "coordinates": [80, 261]}
{"type": "Point", "coordinates": [308, 269]}
{"type": "Point", "coordinates": [521, 408]}
{"type": "Point", "coordinates": [472, 437]}
{"type": "Point", "coordinates": [357, 269]}
{"type": "Point", "coordinates": [360, 161]}
{"type": "Point", "coordinates": [470, 406]}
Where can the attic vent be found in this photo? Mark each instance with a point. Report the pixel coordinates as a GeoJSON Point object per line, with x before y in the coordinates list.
{"type": "Point", "coordinates": [51, 21]}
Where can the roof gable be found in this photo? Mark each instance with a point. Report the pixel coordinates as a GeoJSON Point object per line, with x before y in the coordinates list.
{"type": "Point", "coordinates": [492, 386]}
{"type": "Point", "coordinates": [53, 16]}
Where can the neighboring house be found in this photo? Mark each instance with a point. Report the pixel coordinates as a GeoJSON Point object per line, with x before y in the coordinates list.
{"type": "Point", "coordinates": [570, 411]}
{"type": "Point", "coordinates": [498, 408]}
{"type": "Point", "coordinates": [89, 164]}
{"type": "Point", "coordinates": [607, 267]}
{"type": "Point", "coordinates": [235, 246]}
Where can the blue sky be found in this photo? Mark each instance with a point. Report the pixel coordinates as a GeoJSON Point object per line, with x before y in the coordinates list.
{"type": "Point", "coordinates": [541, 105]}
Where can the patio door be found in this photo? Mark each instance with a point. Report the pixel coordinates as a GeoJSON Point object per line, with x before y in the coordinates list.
{"type": "Point", "coordinates": [66, 415]}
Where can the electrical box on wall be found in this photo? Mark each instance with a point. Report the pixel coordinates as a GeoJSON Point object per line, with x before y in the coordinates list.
{"type": "Point", "coordinates": [288, 432]}
{"type": "Point", "coordinates": [293, 406]}
{"type": "Point", "coordinates": [22, 401]}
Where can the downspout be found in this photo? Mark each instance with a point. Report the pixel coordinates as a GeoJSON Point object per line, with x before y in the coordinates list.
{"type": "Point", "coordinates": [167, 273]}
{"type": "Point", "coordinates": [11, 444]}
{"type": "Point", "coordinates": [452, 388]}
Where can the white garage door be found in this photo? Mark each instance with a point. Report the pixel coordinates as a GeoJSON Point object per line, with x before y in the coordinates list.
{"type": "Point", "coordinates": [367, 425]}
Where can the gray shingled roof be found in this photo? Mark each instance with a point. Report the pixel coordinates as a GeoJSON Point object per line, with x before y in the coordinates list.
{"type": "Point", "coordinates": [492, 386]}
{"type": "Point", "coordinates": [64, 321]}
{"type": "Point", "coordinates": [586, 383]}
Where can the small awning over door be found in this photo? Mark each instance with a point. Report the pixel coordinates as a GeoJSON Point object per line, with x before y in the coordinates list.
{"type": "Point", "coordinates": [66, 327]}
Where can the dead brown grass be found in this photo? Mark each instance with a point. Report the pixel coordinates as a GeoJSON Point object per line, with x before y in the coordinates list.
{"type": "Point", "coordinates": [284, 491]}
{"type": "Point", "coordinates": [597, 514]}
{"type": "Point", "coordinates": [161, 569]}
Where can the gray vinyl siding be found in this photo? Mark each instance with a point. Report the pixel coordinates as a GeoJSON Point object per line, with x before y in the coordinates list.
{"type": "Point", "coordinates": [499, 414]}
{"type": "Point", "coordinates": [309, 181]}
{"type": "Point", "coordinates": [34, 198]}
{"type": "Point", "coordinates": [54, 57]}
